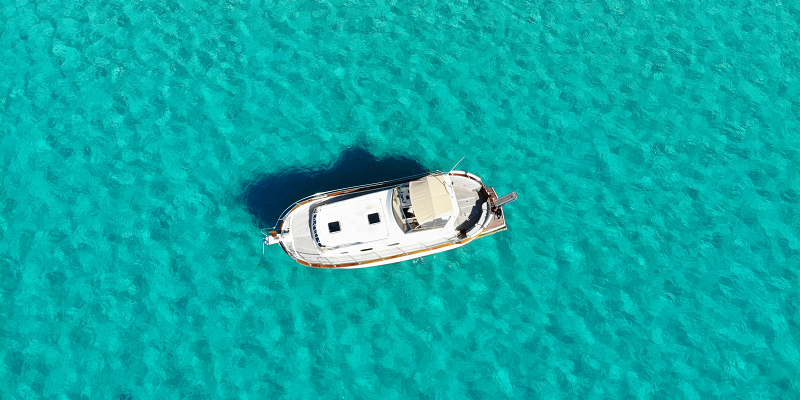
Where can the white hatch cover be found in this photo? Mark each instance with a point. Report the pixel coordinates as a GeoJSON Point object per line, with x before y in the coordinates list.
{"type": "Point", "coordinates": [352, 221]}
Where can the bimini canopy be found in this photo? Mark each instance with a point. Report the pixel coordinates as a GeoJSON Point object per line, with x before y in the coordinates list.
{"type": "Point", "coordinates": [429, 198]}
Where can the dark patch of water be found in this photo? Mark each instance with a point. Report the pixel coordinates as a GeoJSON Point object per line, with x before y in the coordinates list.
{"type": "Point", "coordinates": [268, 195]}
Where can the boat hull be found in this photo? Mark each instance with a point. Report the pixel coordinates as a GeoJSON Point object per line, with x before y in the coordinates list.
{"type": "Point", "coordinates": [297, 236]}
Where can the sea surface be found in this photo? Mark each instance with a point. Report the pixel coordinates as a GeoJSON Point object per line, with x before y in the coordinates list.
{"type": "Point", "coordinates": [654, 251]}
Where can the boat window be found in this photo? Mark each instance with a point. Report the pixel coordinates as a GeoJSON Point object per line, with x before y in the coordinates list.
{"type": "Point", "coordinates": [334, 227]}
{"type": "Point", "coordinates": [374, 218]}
{"type": "Point", "coordinates": [367, 249]}
{"type": "Point", "coordinates": [393, 244]}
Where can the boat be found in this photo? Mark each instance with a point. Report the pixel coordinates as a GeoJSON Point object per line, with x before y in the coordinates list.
{"type": "Point", "coordinates": [389, 222]}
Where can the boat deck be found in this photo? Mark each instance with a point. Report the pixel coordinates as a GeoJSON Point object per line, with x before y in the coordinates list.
{"type": "Point", "coordinates": [302, 243]}
{"type": "Point", "coordinates": [470, 198]}
{"type": "Point", "coordinates": [303, 247]}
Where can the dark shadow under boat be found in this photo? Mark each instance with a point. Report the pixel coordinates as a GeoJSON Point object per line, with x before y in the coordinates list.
{"type": "Point", "coordinates": [267, 196]}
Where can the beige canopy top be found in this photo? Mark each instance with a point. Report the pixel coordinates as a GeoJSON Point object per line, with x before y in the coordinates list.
{"type": "Point", "coordinates": [429, 198]}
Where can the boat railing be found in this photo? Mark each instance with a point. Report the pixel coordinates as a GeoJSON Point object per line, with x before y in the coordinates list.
{"type": "Point", "coordinates": [314, 226]}
{"type": "Point", "coordinates": [351, 188]}
{"type": "Point", "coordinates": [370, 256]}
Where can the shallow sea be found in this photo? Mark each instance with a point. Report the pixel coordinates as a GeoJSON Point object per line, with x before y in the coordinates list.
{"type": "Point", "coordinates": [654, 250]}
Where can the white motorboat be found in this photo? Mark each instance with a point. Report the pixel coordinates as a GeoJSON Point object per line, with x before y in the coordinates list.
{"type": "Point", "coordinates": [389, 222]}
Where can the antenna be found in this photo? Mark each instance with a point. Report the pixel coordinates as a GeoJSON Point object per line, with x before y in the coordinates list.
{"type": "Point", "coordinates": [448, 173]}
{"type": "Point", "coordinates": [454, 166]}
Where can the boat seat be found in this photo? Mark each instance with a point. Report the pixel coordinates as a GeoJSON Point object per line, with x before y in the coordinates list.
{"type": "Point", "coordinates": [405, 197]}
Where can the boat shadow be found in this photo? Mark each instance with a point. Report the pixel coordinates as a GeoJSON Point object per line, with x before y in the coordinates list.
{"type": "Point", "coordinates": [267, 196]}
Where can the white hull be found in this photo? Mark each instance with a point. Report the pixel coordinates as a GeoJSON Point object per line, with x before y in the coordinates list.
{"type": "Point", "coordinates": [403, 258]}
{"type": "Point", "coordinates": [385, 223]}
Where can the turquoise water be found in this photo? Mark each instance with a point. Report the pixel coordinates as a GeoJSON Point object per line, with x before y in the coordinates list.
{"type": "Point", "coordinates": [653, 252]}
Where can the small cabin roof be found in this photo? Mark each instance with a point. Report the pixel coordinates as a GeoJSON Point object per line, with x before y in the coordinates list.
{"type": "Point", "coordinates": [352, 221]}
{"type": "Point", "coordinates": [430, 198]}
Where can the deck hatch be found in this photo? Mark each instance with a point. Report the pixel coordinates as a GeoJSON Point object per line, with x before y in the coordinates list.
{"type": "Point", "coordinates": [334, 227]}
{"type": "Point", "coordinates": [374, 218]}
{"type": "Point", "coordinates": [353, 223]}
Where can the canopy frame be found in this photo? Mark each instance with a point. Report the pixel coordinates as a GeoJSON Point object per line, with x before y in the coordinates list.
{"type": "Point", "coordinates": [430, 198]}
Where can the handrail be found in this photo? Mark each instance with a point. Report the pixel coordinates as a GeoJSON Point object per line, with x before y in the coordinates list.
{"type": "Point", "coordinates": [322, 194]}
{"type": "Point", "coordinates": [335, 262]}
{"type": "Point", "coordinates": [314, 227]}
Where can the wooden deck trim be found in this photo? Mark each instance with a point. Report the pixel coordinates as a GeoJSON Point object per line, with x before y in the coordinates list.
{"type": "Point", "coordinates": [336, 266]}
